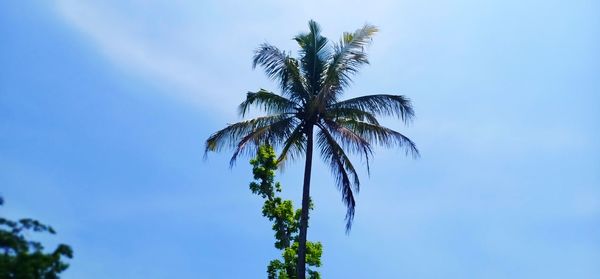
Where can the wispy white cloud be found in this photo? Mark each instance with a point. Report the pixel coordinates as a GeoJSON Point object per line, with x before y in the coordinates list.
{"type": "Point", "coordinates": [139, 49]}
{"type": "Point", "coordinates": [194, 51]}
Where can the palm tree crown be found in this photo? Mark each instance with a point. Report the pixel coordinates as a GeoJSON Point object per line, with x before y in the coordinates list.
{"type": "Point", "coordinates": [311, 87]}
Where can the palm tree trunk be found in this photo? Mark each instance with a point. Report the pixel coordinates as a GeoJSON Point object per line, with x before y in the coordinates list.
{"type": "Point", "coordinates": [301, 268]}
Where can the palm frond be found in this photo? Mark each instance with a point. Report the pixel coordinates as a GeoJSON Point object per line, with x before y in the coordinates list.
{"type": "Point", "coordinates": [381, 104]}
{"type": "Point", "coordinates": [349, 140]}
{"type": "Point", "coordinates": [273, 134]}
{"type": "Point", "coordinates": [380, 135]}
{"type": "Point", "coordinates": [342, 169]}
{"type": "Point", "coordinates": [230, 135]}
{"type": "Point", "coordinates": [347, 57]}
{"type": "Point", "coordinates": [350, 113]}
{"type": "Point", "coordinates": [313, 54]}
{"type": "Point", "coordinates": [297, 84]}
{"type": "Point", "coordinates": [282, 68]}
{"type": "Point", "coordinates": [267, 101]}
{"type": "Point", "coordinates": [294, 146]}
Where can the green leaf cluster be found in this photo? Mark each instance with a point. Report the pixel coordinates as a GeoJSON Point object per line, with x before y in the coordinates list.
{"type": "Point", "coordinates": [285, 219]}
{"type": "Point", "coordinates": [26, 259]}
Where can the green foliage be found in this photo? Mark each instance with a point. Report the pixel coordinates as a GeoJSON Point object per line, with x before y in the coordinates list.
{"type": "Point", "coordinates": [286, 219]}
{"type": "Point", "coordinates": [26, 259]}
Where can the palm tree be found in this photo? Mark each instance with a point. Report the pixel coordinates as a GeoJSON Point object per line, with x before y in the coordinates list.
{"type": "Point", "coordinates": [311, 87]}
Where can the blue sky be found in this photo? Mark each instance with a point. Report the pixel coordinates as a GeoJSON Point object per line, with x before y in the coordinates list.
{"type": "Point", "coordinates": [104, 108]}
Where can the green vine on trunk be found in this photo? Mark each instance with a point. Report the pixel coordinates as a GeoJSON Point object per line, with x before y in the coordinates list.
{"type": "Point", "coordinates": [286, 219]}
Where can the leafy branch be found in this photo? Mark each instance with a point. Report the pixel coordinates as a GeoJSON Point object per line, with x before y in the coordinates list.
{"type": "Point", "coordinates": [285, 219]}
